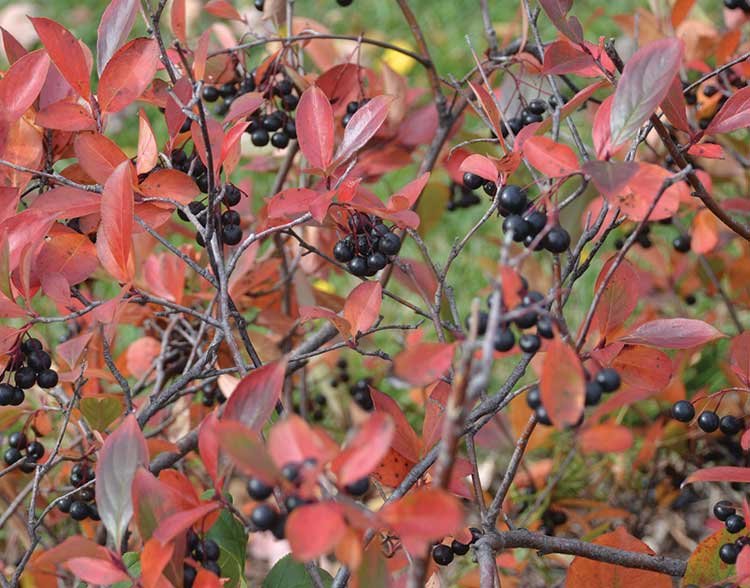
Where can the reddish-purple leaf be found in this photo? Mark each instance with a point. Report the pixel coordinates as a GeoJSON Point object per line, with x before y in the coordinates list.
{"type": "Point", "coordinates": [327, 521]}
{"type": "Point", "coordinates": [114, 28]}
{"type": "Point", "coordinates": [564, 57]}
{"type": "Point", "coordinates": [243, 106]}
{"type": "Point", "coordinates": [720, 474]}
{"type": "Point", "coordinates": [114, 237]}
{"type": "Point", "coordinates": [315, 132]}
{"type": "Point", "coordinates": [362, 127]}
{"type": "Point", "coordinates": [98, 572]}
{"type": "Point", "coordinates": [216, 138]}
{"type": "Point", "coordinates": [677, 333]}
{"type": "Point", "coordinates": [644, 83]}
{"type": "Point", "coordinates": [128, 74]}
{"type": "Point", "coordinates": [255, 397]}
{"type": "Point", "coordinates": [735, 114]}
{"type": "Point", "coordinates": [423, 363]}
{"type": "Point", "coordinates": [610, 177]}
{"type": "Point", "coordinates": [13, 48]}
{"type": "Point", "coordinates": [21, 85]}
{"type": "Point", "coordinates": [66, 53]}
{"type": "Point", "coordinates": [675, 107]}
{"type": "Point", "coordinates": [362, 306]}
{"type": "Point", "coordinates": [557, 11]}
{"type": "Point", "coordinates": [739, 357]}
{"type": "Point", "coordinates": [123, 452]}
{"type": "Point", "coordinates": [291, 203]}
{"type": "Point", "coordinates": [366, 450]}
{"type": "Point", "coordinates": [208, 447]}
{"type": "Point", "coordinates": [66, 116]}
{"type": "Point", "coordinates": [562, 384]}
{"type": "Point", "coordinates": [246, 450]}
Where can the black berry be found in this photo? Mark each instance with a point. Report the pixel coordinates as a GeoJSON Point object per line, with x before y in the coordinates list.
{"type": "Point", "coordinates": [258, 490]}
{"type": "Point", "coordinates": [504, 339]}
{"type": "Point", "coordinates": [280, 140]}
{"type": "Point", "coordinates": [557, 240]}
{"type": "Point", "coordinates": [730, 425]}
{"type": "Point", "coordinates": [682, 243]}
{"type": "Point", "coordinates": [542, 416]}
{"type": "Point", "coordinates": [11, 455]}
{"type": "Point", "coordinates": [442, 555]}
{"type": "Point", "coordinates": [472, 181]}
{"type": "Point", "coordinates": [708, 421]}
{"type": "Point", "coordinates": [537, 106]}
{"type": "Point", "coordinates": [608, 379]}
{"type": "Point", "coordinates": [390, 244]}
{"type": "Point", "coordinates": [290, 471]}
{"type": "Point", "coordinates": [683, 411]}
{"type": "Point", "coordinates": [64, 504]}
{"type": "Point", "coordinates": [529, 343]}
{"type": "Point", "coordinates": [35, 450]}
{"type": "Point", "coordinates": [544, 328]}
{"type": "Point", "coordinates": [33, 344]}
{"type": "Point", "coordinates": [17, 440]}
{"type": "Point", "coordinates": [39, 360]}
{"type": "Point", "coordinates": [259, 137]}
{"type": "Point", "coordinates": [25, 377]}
{"type": "Point", "coordinates": [232, 195]}
{"type": "Point", "coordinates": [79, 510]}
{"type": "Point", "coordinates": [343, 251]}
{"type": "Point", "coordinates": [211, 550]}
{"type": "Point", "coordinates": [47, 379]}
{"type": "Point", "coordinates": [513, 199]}
{"type": "Point", "coordinates": [231, 234]}
{"type": "Point", "coordinates": [6, 394]}
{"type": "Point", "coordinates": [459, 548]}
{"type": "Point", "coordinates": [230, 217]}
{"type": "Point", "coordinates": [728, 553]}
{"type": "Point", "coordinates": [357, 266]}
{"type": "Point", "coordinates": [735, 523]}
{"type": "Point", "coordinates": [482, 320]}
{"type": "Point", "coordinates": [359, 487]}
{"type": "Point", "coordinates": [264, 517]}
{"type": "Point", "coordinates": [534, 398]}
{"type": "Point", "coordinates": [210, 93]}
{"type": "Point", "coordinates": [593, 393]}
{"type": "Point", "coordinates": [518, 225]}
{"type": "Point", "coordinates": [723, 510]}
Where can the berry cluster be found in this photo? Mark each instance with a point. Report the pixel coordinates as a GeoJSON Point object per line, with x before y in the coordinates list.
{"type": "Point", "coordinates": [369, 246]}
{"type": "Point", "coordinates": [229, 221]}
{"type": "Point", "coordinates": [606, 380]}
{"type": "Point", "coordinates": [360, 390]}
{"type": "Point", "coordinates": [212, 395]}
{"type": "Point", "coordinates": [82, 504]}
{"type": "Point", "coordinates": [191, 165]}
{"type": "Point", "coordinates": [32, 366]}
{"type": "Point", "coordinates": [442, 554]}
{"type": "Point", "coordinates": [528, 317]}
{"type": "Point", "coordinates": [532, 113]}
{"type": "Point", "coordinates": [315, 406]}
{"type": "Point", "coordinates": [17, 444]}
{"type": "Point", "coordinates": [229, 92]}
{"type": "Point", "coordinates": [734, 523]}
{"type": "Point", "coordinates": [462, 197]}
{"type": "Point", "coordinates": [206, 552]}
{"type": "Point", "coordinates": [351, 108]}
{"type": "Point", "coordinates": [708, 420]}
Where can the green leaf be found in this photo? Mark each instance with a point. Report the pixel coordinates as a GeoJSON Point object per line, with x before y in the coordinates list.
{"type": "Point", "coordinates": [100, 412]}
{"type": "Point", "coordinates": [704, 566]}
{"type": "Point", "coordinates": [230, 535]}
{"type": "Point", "coordinates": [132, 560]}
{"type": "Point", "coordinates": [289, 573]}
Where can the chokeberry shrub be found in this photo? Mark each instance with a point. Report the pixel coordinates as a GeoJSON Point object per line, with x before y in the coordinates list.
{"type": "Point", "coordinates": [344, 293]}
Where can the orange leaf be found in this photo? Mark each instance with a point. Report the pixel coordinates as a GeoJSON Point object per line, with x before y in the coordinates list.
{"type": "Point", "coordinates": [562, 384]}
{"type": "Point", "coordinates": [148, 152]}
{"type": "Point", "coordinates": [170, 183]}
{"type": "Point", "coordinates": [362, 306]}
{"type": "Point", "coordinates": [128, 74]}
{"type": "Point", "coordinates": [65, 116]}
{"type": "Point", "coordinates": [620, 296]}
{"type": "Point", "coordinates": [114, 237]}
{"type": "Point", "coordinates": [21, 85]}
{"type": "Point", "coordinates": [607, 438]}
{"type": "Point", "coordinates": [66, 52]}
{"type": "Point", "coordinates": [98, 155]}
{"type": "Point", "coordinates": [551, 158]}
{"type": "Point", "coordinates": [705, 233]}
{"type": "Point", "coordinates": [423, 363]}
{"type": "Point", "coordinates": [154, 558]}
{"type": "Point", "coordinates": [293, 440]}
{"type": "Point", "coordinates": [366, 450]}
{"type": "Point", "coordinates": [325, 518]}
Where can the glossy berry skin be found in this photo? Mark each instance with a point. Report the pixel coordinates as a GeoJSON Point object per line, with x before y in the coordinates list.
{"type": "Point", "coordinates": [534, 398]}
{"type": "Point", "coordinates": [557, 240]}
{"type": "Point", "coordinates": [39, 360]}
{"type": "Point", "coordinates": [25, 377]}
{"type": "Point", "coordinates": [231, 234]}
{"type": "Point", "coordinates": [232, 195]}
{"type": "Point", "coordinates": [17, 440]}
{"type": "Point", "coordinates": [442, 555]}
{"type": "Point", "coordinates": [259, 137]}
{"type": "Point", "coordinates": [343, 251]}
{"type": "Point", "coordinates": [363, 399]}
{"type": "Point", "coordinates": [64, 504]}
{"type": "Point", "coordinates": [210, 94]}
{"type": "Point", "coordinates": [18, 397]}
{"type": "Point", "coordinates": [79, 510]}
{"type": "Point", "coordinates": [6, 394]}
{"type": "Point", "coordinates": [35, 450]}
{"type": "Point", "coordinates": [459, 548]}
{"type": "Point", "coordinates": [728, 553]}
{"type": "Point", "coordinates": [264, 517]}
{"type": "Point", "coordinates": [708, 421]}
{"type": "Point", "coordinates": [344, 3]}
{"type": "Point", "coordinates": [683, 411]}
{"type": "Point", "coordinates": [723, 510]}
{"type": "Point", "coordinates": [30, 345]}
{"type": "Point", "coordinates": [258, 490]}
{"type": "Point", "coordinates": [213, 567]}
{"type": "Point", "coordinates": [518, 225]}
{"type": "Point", "coordinates": [544, 328]}
{"type": "Point", "coordinates": [230, 217]}
{"type": "Point", "coordinates": [537, 106]}
{"type": "Point", "coordinates": [593, 393]}
{"type": "Point", "coordinates": [504, 339]}
{"type": "Point", "coordinates": [529, 343]}
{"type": "Point", "coordinates": [280, 140]}
{"type": "Point", "coordinates": [608, 379]}
{"type": "Point", "coordinates": [513, 199]}
{"type": "Point", "coordinates": [279, 527]}
{"type": "Point", "coordinates": [189, 573]}
{"type": "Point", "coordinates": [390, 244]}
{"type": "Point", "coordinates": [537, 221]}
{"type": "Point", "coordinates": [358, 488]}
{"type": "Point", "coordinates": [357, 266]}
{"type": "Point", "coordinates": [11, 456]}
{"type": "Point", "coordinates": [735, 523]}
{"type": "Point", "coordinates": [376, 261]}
{"type": "Point", "coordinates": [211, 550]}
{"type": "Point", "coordinates": [682, 243]}
{"type": "Point", "coordinates": [290, 471]}
{"type": "Point", "coordinates": [542, 416]}
{"type": "Point", "coordinates": [472, 181]}
{"type": "Point", "coordinates": [531, 118]}
{"type": "Point", "coordinates": [482, 320]}
{"type": "Point", "coordinates": [47, 379]}
{"type": "Point", "coordinates": [731, 425]}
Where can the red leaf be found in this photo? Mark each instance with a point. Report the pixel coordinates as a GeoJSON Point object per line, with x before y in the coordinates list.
{"type": "Point", "coordinates": [243, 106]}
{"type": "Point", "coordinates": [154, 558]}
{"type": "Point", "coordinates": [557, 11]}
{"type": "Point", "coordinates": [705, 233]}
{"type": "Point", "coordinates": [114, 237]}
{"type": "Point", "coordinates": [216, 138]}
{"type": "Point", "coordinates": [564, 57]}
{"type": "Point", "coordinates": [643, 85]}
{"type": "Point", "coordinates": [170, 183]}
{"type": "Point", "coordinates": [68, 253]}
{"type": "Point", "coordinates": [643, 368]}
{"type": "Point", "coordinates": [366, 450]}
{"type": "Point", "coordinates": [735, 114]}
{"type": "Point", "coordinates": [99, 572]}
{"type": "Point", "coordinates": [601, 131]}
{"type": "Point", "coordinates": [291, 203]}
{"type": "Point", "coordinates": [253, 400]}
{"type": "Point", "coordinates": [342, 325]}
{"type": "Point", "coordinates": [680, 10]}
{"type": "Point", "coordinates": [21, 85]}
{"type": "Point", "coordinates": [115, 26]}
{"type": "Point", "coordinates": [423, 516]}
{"type": "Point", "coordinates": [423, 363]}
{"type": "Point", "coordinates": [177, 20]}
{"type": "Point", "coordinates": [434, 413]}
{"type": "Point", "coordinates": [327, 521]}
{"type": "Point", "coordinates": [362, 127]}
{"type": "Point", "coordinates": [707, 150]}
{"type": "Point", "coordinates": [66, 116]}
{"type": "Point", "coordinates": [222, 9]}
{"type": "Point", "coordinates": [610, 178]}
{"type": "Point", "coordinates": [480, 165]}
{"type": "Point", "coordinates": [230, 147]}
{"type": "Point", "coordinates": [179, 522]}
{"type": "Point", "coordinates": [148, 151]}
{"type": "Point", "coordinates": [642, 189]}
{"type": "Point", "coordinates": [719, 474]}
{"type": "Point", "coordinates": [362, 306]}
{"type": "Point", "coordinates": [677, 333]}
{"type": "Point", "coordinates": [123, 452]}
{"type": "Point", "coordinates": [552, 159]}
{"type": "Point", "coordinates": [405, 440]}
{"type": "Point", "coordinates": [607, 438]}
{"type": "Point", "coordinates": [315, 128]}
{"type": "Point", "coordinates": [294, 440]}
{"type": "Point", "coordinates": [739, 357]}
{"type": "Point", "coordinates": [66, 53]}
{"type": "Point", "coordinates": [247, 451]}
{"type": "Point", "coordinates": [153, 500]}
{"type": "Point", "coordinates": [407, 197]}
{"type": "Point", "coordinates": [562, 384]}
{"type": "Point", "coordinates": [619, 299]}
{"type": "Point", "coordinates": [674, 106]}
{"type": "Point", "coordinates": [489, 106]}
{"type": "Point", "coordinates": [208, 447]}
{"type": "Point", "coordinates": [13, 48]}
{"type": "Point", "coordinates": [98, 155]}
{"type": "Point", "coordinates": [128, 74]}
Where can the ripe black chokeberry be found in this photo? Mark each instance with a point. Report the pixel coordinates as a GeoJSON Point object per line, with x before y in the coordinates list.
{"type": "Point", "coordinates": [530, 118]}
{"type": "Point", "coordinates": [47, 379]}
{"type": "Point", "coordinates": [210, 93]}
{"type": "Point", "coordinates": [230, 217]}
{"type": "Point", "coordinates": [289, 102]}
{"type": "Point", "coordinates": [683, 411]}
{"type": "Point", "coordinates": [232, 195]}
{"type": "Point", "coordinates": [344, 3]}
{"type": "Point", "coordinates": [258, 490]}
{"type": "Point", "coordinates": [279, 527]}
{"type": "Point", "coordinates": [259, 137]}
{"type": "Point", "coordinates": [730, 425]}
{"type": "Point", "coordinates": [195, 208]}
{"type": "Point", "coordinates": [504, 339]}
{"type": "Point", "coordinates": [64, 504]}
{"type": "Point", "coordinates": [345, 120]}
{"type": "Point", "coordinates": [490, 188]}
{"type": "Point", "coordinates": [544, 328]}
{"type": "Point", "coordinates": [363, 399]}
{"type": "Point", "coordinates": [290, 471]}
{"type": "Point", "coordinates": [482, 320]}
{"type": "Point", "coordinates": [231, 234]}
{"type": "Point", "coordinates": [186, 125]}
{"type": "Point", "coordinates": [357, 266]}
{"type": "Point", "coordinates": [515, 124]}
{"type": "Point", "coordinates": [534, 398]}
{"type": "Point", "coordinates": [39, 360]}
{"type": "Point", "coordinates": [442, 555]}
{"type": "Point", "coordinates": [513, 199]}
{"type": "Point", "coordinates": [459, 548]}
{"type": "Point", "coordinates": [79, 510]}
{"type": "Point", "coordinates": [475, 534]}
{"type": "Point", "coordinates": [608, 379]}
{"type": "Point", "coordinates": [537, 106]}
{"type": "Point", "coordinates": [25, 377]}
{"type": "Point", "coordinates": [529, 343]}
{"type": "Point", "coordinates": [284, 87]}
{"type": "Point", "coordinates": [352, 107]}
{"type": "Point", "coordinates": [723, 510]}
{"type": "Point", "coordinates": [17, 440]}
{"type": "Point", "coordinates": [376, 261]}
{"type": "Point", "coordinates": [682, 243]}
{"type": "Point", "coordinates": [11, 455]}
{"type": "Point", "coordinates": [32, 344]}
{"type": "Point", "coordinates": [189, 573]}
{"type": "Point", "coordinates": [18, 396]}
{"type": "Point", "coordinates": [273, 122]}
{"type": "Point", "coordinates": [213, 567]}
{"type": "Point", "coordinates": [259, 4]}
{"type": "Point", "coordinates": [211, 550]}
{"type": "Point", "coordinates": [537, 221]}
{"type": "Point", "coordinates": [557, 240]}
{"type": "Point", "coordinates": [518, 225]}
{"type": "Point", "coordinates": [472, 181]}
{"type": "Point", "coordinates": [390, 244]}
{"type": "Point", "coordinates": [358, 487]}
{"type": "Point", "coordinates": [7, 393]}
{"type": "Point", "coordinates": [343, 250]}
{"type": "Point", "coordinates": [728, 553]}
{"type": "Point", "coordinates": [593, 393]}
{"type": "Point", "coordinates": [290, 128]}
{"type": "Point", "coordinates": [35, 450]}
{"type": "Point", "coordinates": [280, 140]}
{"type": "Point", "coordinates": [735, 523]}
{"type": "Point", "coordinates": [86, 494]}
{"type": "Point", "coordinates": [708, 421]}
{"type": "Point", "coordinates": [293, 501]}
{"type": "Point", "coordinates": [542, 416]}
{"type": "Point", "coordinates": [264, 517]}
